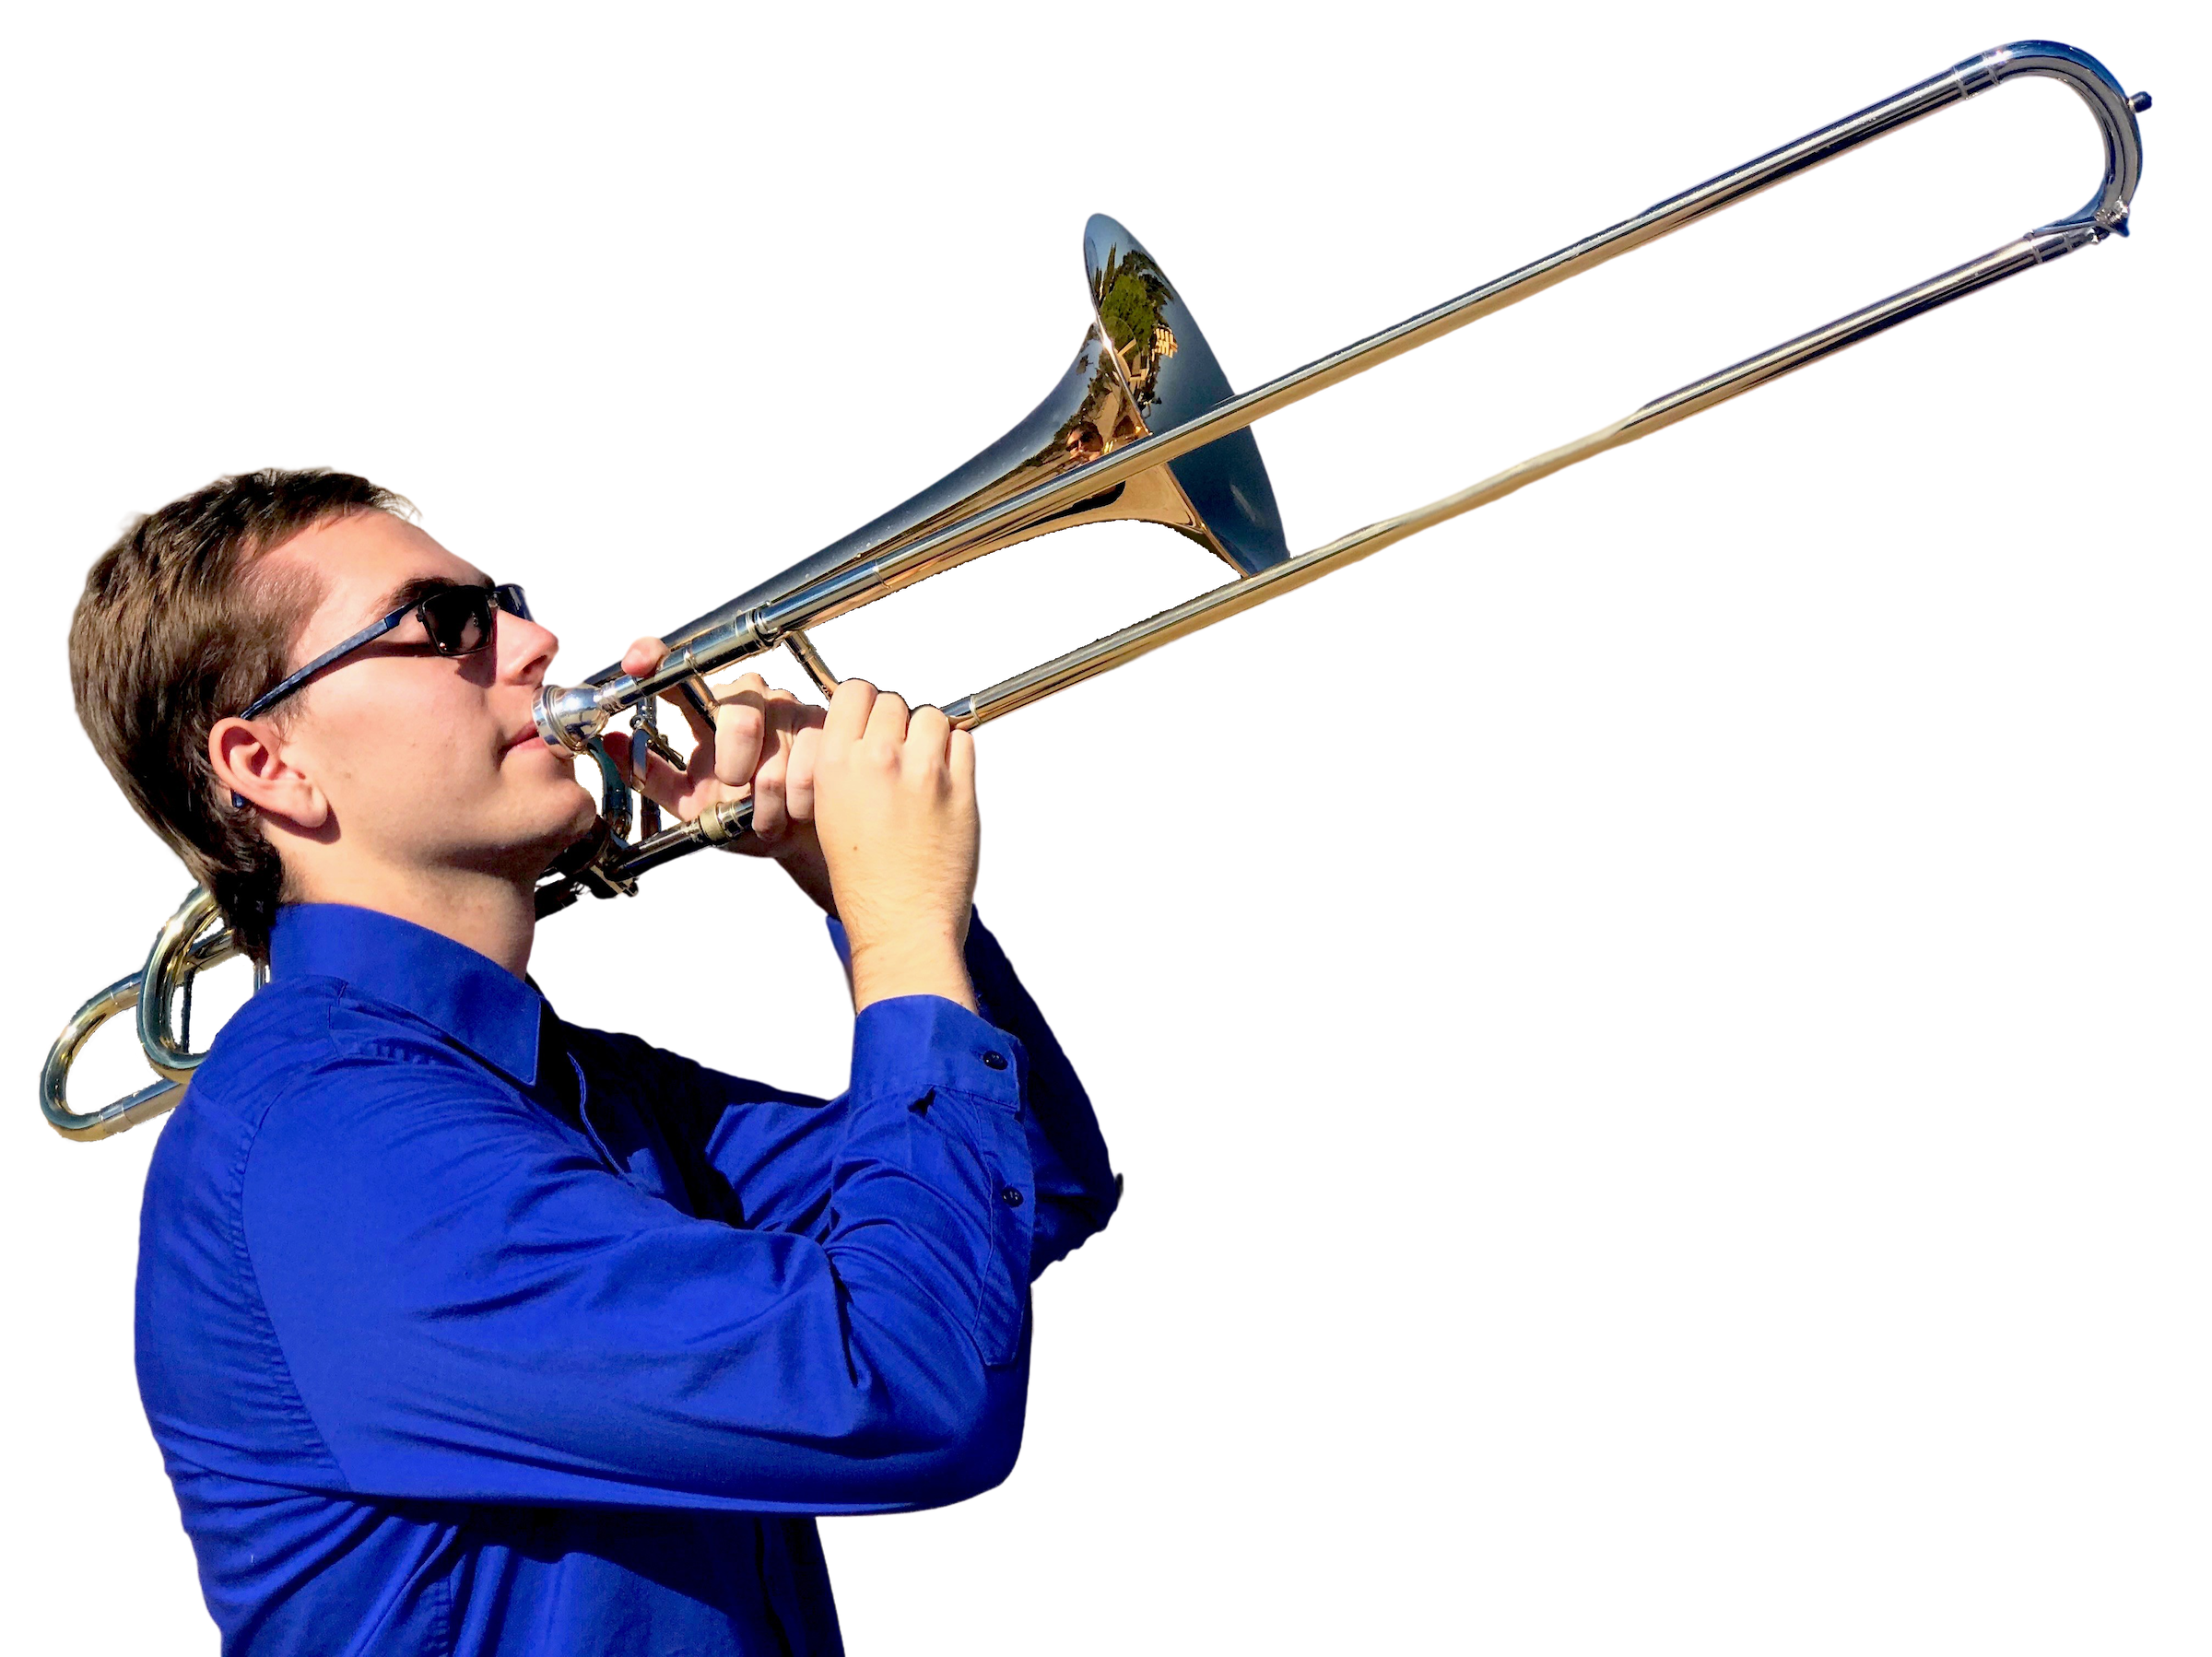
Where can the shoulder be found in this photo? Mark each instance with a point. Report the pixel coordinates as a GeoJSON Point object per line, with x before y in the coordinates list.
{"type": "Point", "coordinates": [286, 1026]}
{"type": "Point", "coordinates": [308, 1075]}
{"type": "Point", "coordinates": [267, 1050]}
{"type": "Point", "coordinates": [314, 1038]}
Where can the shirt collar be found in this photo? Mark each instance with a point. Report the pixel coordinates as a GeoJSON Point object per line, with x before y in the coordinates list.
{"type": "Point", "coordinates": [468, 996]}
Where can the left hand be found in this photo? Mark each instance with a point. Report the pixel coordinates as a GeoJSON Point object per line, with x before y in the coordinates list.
{"type": "Point", "coordinates": [748, 749]}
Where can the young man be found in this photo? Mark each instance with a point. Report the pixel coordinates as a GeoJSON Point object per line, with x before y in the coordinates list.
{"type": "Point", "coordinates": [463, 1329]}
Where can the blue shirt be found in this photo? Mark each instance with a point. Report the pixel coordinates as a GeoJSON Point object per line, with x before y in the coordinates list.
{"type": "Point", "coordinates": [464, 1330]}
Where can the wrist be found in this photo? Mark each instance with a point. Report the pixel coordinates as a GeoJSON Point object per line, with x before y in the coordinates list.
{"type": "Point", "coordinates": [920, 962]}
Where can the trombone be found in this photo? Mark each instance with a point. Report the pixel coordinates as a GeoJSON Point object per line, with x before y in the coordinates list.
{"type": "Point", "coordinates": [1142, 426]}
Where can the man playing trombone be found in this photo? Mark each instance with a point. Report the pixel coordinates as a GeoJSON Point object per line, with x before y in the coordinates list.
{"type": "Point", "coordinates": [465, 1329]}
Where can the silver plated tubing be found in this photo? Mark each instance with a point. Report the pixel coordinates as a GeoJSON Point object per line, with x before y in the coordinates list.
{"type": "Point", "coordinates": [149, 1101]}
{"type": "Point", "coordinates": [1144, 366]}
{"type": "Point", "coordinates": [185, 947]}
{"type": "Point", "coordinates": [810, 662]}
{"type": "Point", "coordinates": [817, 589]}
{"type": "Point", "coordinates": [2104, 212]}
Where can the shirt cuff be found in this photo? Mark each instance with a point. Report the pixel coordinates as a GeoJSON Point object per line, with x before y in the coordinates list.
{"type": "Point", "coordinates": [911, 1044]}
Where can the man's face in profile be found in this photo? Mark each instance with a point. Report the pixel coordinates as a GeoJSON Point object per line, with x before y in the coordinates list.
{"type": "Point", "coordinates": [425, 761]}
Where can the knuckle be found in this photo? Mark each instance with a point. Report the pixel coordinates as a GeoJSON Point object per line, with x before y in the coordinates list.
{"type": "Point", "coordinates": [745, 687]}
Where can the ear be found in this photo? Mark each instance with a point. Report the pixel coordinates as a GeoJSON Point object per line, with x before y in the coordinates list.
{"type": "Point", "coordinates": [250, 762]}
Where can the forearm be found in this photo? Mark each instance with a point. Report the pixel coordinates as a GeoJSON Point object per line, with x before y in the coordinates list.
{"type": "Point", "coordinates": [621, 1351]}
{"type": "Point", "coordinates": [914, 964]}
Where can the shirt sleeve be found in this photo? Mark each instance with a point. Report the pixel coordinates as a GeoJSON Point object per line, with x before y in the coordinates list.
{"type": "Point", "coordinates": [473, 1307]}
{"type": "Point", "coordinates": [1077, 1190]}
{"type": "Point", "coordinates": [775, 1154]}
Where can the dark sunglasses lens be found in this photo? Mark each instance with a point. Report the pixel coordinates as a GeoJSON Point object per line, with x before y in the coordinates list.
{"type": "Point", "coordinates": [510, 599]}
{"type": "Point", "coordinates": [458, 620]}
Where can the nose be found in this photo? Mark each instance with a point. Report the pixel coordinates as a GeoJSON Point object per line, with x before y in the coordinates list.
{"type": "Point", "coordinates": [525, 650]}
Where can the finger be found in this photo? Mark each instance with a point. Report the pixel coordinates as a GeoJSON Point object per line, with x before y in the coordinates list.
{"type": "Point", "coordinates": [791, 718]}
{"type": "Point", "coordinates": [798, 775]}
{"type": "Point", "coordinates": [771, 819]}
{"type": "Point", "coordinates": [740, 738]}
{"type": "Point", "coordinates": [785, 714]}
{"type": "Point", "coordinates": [927, 731]}
{"type": "Point", "coordinates": [849, 712]}
{"type": "Point", "coordinates": [744, 684]}
{"type": "Point", "coordinates": [739, 728]}
{"type": "Point", "coordinates": [886, 720]}
{"type": "Point", "coordinates": [701, 718]}
{"type": "Point", "coordinates": [642, 656]}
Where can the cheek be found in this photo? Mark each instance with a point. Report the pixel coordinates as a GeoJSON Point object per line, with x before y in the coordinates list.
{"type": "Point", "coordinates": [428, 727]}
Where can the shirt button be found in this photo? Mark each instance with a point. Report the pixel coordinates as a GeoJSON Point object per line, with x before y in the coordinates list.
{"type": "Point", "coordinates": [993, 1061]}
{"type": "Point", "coordinates": [1010, 1198]}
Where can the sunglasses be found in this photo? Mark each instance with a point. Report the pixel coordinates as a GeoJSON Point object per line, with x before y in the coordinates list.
{"type": "Point", "coordinates": [458, 621]}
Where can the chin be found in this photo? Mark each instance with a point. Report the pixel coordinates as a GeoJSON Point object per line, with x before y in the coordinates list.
{"type": "Point", "coordinates": [558, 822]}
{"type": "Point", "coordinates": [575, 821]}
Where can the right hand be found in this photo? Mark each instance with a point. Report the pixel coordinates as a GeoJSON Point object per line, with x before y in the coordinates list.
{"type": "Point", "coordinates": [893, 801]}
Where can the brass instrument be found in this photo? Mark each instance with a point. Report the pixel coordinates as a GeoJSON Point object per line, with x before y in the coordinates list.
{"type": "Point", "coordinates": [1142, 426]}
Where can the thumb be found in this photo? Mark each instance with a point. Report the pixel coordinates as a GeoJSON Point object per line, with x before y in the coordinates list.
{"type": "Point", "coordinates": [642, 656]}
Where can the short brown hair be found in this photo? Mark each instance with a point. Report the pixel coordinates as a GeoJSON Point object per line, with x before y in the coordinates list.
{"type": "Point", "coordinates": [174, 632]}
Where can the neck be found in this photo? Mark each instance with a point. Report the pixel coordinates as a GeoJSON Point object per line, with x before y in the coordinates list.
{"type": "Point", "coordinates": [493, 914]}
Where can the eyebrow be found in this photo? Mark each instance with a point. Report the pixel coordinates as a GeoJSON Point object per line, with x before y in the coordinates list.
{"type": "Point", "coordinates": [413, 590]}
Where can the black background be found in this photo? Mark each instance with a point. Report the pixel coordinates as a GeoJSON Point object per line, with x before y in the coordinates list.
{"type": "Point", "coordinates": [1622, 1023]}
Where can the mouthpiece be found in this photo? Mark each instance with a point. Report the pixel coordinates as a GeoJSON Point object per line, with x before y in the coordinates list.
{"type": "Point", "coordinates": [570, 718]}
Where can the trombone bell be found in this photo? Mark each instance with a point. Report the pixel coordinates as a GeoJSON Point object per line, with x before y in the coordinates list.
{"type": "Point", "coordinates": [1144, 368]}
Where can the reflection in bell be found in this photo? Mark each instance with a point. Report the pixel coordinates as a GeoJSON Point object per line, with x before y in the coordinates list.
{"type": "Point", "coordinates": [1144, 367]}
